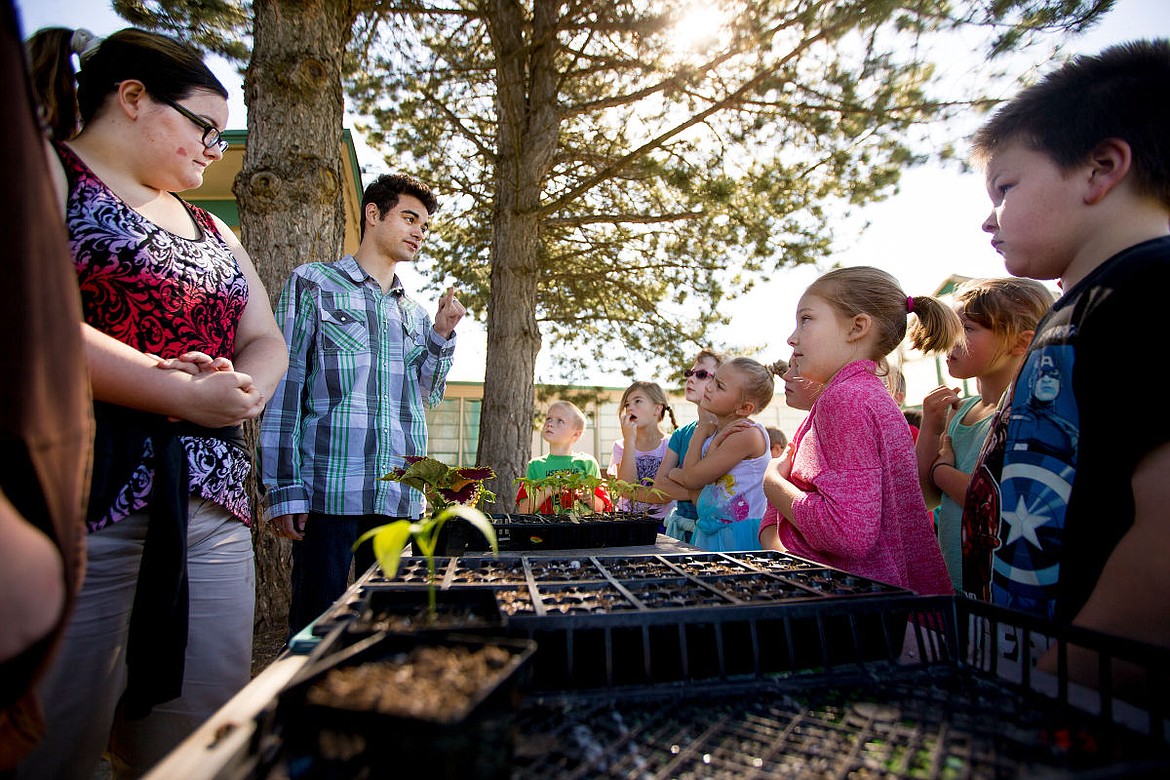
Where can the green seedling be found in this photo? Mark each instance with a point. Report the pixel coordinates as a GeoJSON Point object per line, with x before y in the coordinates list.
{"type": "Point", "coordinates": [450, 492]}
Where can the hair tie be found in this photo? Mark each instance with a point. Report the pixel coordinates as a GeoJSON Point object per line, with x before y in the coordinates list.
{"type": "Point", "coordinates": [84, 44]}
{"type": "Point", "coordinates": [909, 304]}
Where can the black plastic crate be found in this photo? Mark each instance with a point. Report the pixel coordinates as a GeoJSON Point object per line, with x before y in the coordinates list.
{"type": "Point", "coordinates": [947, 708]}
{"type": "Point", "coordinates": [516, 532]}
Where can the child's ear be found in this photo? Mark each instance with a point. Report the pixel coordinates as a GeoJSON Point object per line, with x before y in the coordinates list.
{"type": "Point", "coordinates": [577, 433]}
{"type": "Point", "coordinates": [1021, 343]}
{"type": "Point", "coordinates": [1109, 163]}
{"type": "Point", "coordinates": [746, 408]}
{"type": "Point", "coordinates": [859, 327]}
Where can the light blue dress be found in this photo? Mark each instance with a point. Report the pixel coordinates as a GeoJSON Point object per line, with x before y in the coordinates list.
{"type": "Point", "coordinates": [680, 521]}
{"type": "Point", "coordinates": [966, 441]}
{"type": "Point", "coordinates": [730, 508]}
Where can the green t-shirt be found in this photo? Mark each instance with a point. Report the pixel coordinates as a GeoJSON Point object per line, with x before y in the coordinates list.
{"type": "Point", "coordinates": [582, 462]}
{"type": "Point", "coordinates": [538, 468]}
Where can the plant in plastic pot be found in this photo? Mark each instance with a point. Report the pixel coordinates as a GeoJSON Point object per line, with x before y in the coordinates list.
{"type": "Point", "coordinates": [450, 491]}
{"type": "Point", "coordinates": [571, 492]}
{"type": "Point", "coordinates": [444, 485]}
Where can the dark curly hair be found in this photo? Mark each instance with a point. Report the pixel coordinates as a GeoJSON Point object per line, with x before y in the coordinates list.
{"type": "Point", "coordinates": [385, 191]}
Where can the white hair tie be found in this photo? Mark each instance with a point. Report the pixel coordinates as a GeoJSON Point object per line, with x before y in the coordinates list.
{"type": "Point", "coordinates": [84, 44]}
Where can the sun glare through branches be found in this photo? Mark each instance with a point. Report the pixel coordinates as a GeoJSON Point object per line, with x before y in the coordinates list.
{"type": "Point", "coordinates": [698, 27]}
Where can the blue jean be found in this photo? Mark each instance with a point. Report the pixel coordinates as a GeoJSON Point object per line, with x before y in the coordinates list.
{"type": "Point", "coordinates": [321, 563]}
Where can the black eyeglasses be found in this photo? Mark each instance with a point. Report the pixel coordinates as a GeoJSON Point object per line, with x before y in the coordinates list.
{"type": "Point", "coordinates": [211, 137]}
{"type": "Point", "coordinates": [698, 373]}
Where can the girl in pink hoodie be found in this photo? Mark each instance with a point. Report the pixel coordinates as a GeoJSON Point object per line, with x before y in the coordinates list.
{"type": "Point", "coordinates": [847, 494]}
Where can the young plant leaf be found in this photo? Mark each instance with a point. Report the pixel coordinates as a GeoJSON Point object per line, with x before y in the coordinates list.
{"type": "Point", "coordinates": [478, 520]}
{"type": "Point", "coordinates": [388, 542]}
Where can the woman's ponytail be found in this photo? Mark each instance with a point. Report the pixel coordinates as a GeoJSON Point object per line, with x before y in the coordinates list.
{"type": "Point", "coordinates": [50, 53]}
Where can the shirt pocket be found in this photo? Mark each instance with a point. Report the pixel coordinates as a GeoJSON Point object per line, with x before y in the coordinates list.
{"type": "Point", "coordinates": [343, 329]}
{"type": "Point", "coordinates": [414, 344]}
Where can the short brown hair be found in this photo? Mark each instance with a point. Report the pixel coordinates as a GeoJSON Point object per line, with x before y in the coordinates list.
{"type": "Point", "coordinates": [1005, 306]}
{"type": "Point", "coordinates": [1119, 93]}
{"type": "Point", "coordinates": [573, 411]}
{"type": "Point", "coordinates": [709, 354]}
{"type": "Point", "coordinates": [385, 191]}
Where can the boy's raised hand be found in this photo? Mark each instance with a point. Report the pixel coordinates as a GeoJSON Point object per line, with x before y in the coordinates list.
{"type": "Point", "coordinates": [449, 313]}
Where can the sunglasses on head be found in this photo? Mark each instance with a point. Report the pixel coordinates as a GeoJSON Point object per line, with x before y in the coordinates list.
{"type": "Point", "coordinates": [698, 373]}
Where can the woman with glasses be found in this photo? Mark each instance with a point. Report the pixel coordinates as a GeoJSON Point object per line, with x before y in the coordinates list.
{"type": "Point", "coordinates": [680, 522]}
{"type": "Point", "coordinates": [182, 348]}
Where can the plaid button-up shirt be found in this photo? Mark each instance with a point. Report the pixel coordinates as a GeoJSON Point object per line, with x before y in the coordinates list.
{"type": "Point", "coordinates": [362, 366]}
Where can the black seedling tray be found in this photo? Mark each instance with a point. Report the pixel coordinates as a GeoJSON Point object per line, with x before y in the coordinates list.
{"type": "Point", "coordinates": [297, 737]}
{"type": "Point", "coordinates": [631, 620]}
{"type": "Point", "coordinates": [947, 708]}
{"type": "Point", "coordinates": [404, 611]}
{"type": "Point", "coordinates": [342, 612]}
{"type": "Point", "coordinates": [801, 672]}
{"type": "Point", "coordinates": [926, 724]}
{"type": "Point", "coordinates": [516, 532]}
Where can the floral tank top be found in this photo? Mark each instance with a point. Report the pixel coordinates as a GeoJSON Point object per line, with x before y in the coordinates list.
{"type": "Point", "coordinates": [166, 295]}
{"type": "Point", "coordinates": [736, 496]}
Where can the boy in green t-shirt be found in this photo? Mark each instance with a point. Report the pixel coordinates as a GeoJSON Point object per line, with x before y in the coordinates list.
{"type": "Point", "coordinates": [563, 426]}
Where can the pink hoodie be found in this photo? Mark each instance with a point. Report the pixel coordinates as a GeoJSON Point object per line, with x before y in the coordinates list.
{"type": "Point", "coordinates": [864, 510]}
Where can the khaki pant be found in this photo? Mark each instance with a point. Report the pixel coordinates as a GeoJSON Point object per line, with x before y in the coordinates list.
{"type": "Point", "coordinates": [82, 690]}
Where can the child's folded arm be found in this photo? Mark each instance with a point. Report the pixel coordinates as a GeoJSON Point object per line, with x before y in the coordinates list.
{"type": "Point", "coordinates": [719, 460]}
{"type": "Point", "coordinates": [842, 516]}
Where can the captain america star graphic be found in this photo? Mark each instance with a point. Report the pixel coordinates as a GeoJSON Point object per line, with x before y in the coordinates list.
{"type": "Point", "coordinates": [1039, 466]}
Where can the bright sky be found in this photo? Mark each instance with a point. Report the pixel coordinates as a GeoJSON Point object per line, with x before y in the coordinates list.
{"type": "Point", "coordinates": [922, 235]}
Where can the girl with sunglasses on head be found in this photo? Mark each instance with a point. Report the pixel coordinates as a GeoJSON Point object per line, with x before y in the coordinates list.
{"type": "Point", "coordinates": [680, 520]}
{"type": "Point", "coordinates": [728, 467]}
{"type": "Point", "coordinates": [182, 347]}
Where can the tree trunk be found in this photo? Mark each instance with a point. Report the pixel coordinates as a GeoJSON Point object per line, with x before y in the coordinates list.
{"type": "Point", "coordinates": [290, 187]}
{"type": "Point", "coordinates": [526, 140]}
{"type": "Point", "coordinates": [513, 341]}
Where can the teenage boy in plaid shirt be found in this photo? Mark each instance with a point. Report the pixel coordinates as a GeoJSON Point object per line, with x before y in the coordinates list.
{"type": "Point", "coordinates": [364, 360]}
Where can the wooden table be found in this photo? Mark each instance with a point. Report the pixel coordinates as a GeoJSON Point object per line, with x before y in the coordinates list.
{"type": "Point", "coordinates": [218, 748]}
